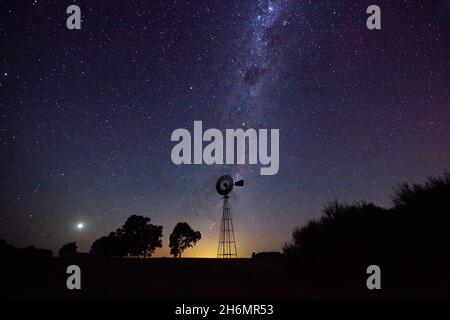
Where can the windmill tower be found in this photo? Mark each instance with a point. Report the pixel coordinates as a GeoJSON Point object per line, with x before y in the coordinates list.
{"type": "Point", "coordinates": [227, 243]}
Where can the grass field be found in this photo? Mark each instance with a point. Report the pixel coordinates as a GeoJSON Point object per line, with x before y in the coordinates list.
{"type": "Point", "coordinates": [168, 278]}
{"type": "Point", "coordinates": [156, 278]}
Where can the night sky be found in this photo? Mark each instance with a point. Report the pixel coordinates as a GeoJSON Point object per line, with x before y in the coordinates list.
{"type": "Point", "coordinates": [87, 115]}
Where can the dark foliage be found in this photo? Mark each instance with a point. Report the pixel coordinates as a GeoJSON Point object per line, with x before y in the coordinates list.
{"type": "Point", "coordinates": [410, 241]}
{"type": "Point", "coordinates": [182, 237]}
{"type": "Point", "coordinates": [137, 238]}
{"type": "Point", "coordinates": [110, 246]}
{"type": "Point", "coordinates": [68, 249]}
{"type": "Point", "coordinates": [267, 255]}
{"type": "Point", "coordinates": [8, 250]}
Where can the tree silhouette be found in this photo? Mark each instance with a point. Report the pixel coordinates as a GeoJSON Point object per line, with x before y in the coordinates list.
{"type": "Point", "coordinates": [68, 249]}
{"type": "Point", "coordinates": [109, 246]}
{"type": "Point", "coordinates": [137, 238]}
{"type": "Point", "coordinates": [140, 236]}
{"type": "Point", "coordinates": [182, 237]}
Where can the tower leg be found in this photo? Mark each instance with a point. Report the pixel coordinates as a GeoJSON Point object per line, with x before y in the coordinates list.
{"type": "Point", "coordinates": [227, 244]}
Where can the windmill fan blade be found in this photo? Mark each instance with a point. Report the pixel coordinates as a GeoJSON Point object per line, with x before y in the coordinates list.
{"type": "Point", "coordinates": [224, 185]}
{"type": "Point", "coordinates": [239, 183]}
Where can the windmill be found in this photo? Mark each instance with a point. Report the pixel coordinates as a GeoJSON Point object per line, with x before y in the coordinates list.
{"type": "Point", "coordinates": [227, 243]}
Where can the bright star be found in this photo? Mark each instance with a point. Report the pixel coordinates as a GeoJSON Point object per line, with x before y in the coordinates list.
{"type": "Point", "coordinates": [80, 226]}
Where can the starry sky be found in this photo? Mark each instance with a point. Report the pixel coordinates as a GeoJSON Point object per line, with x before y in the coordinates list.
{"type": "Point", "coordinates": [86, 115]}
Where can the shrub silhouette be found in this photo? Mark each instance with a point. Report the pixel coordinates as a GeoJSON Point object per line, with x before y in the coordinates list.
{"type": "Point", "coordinates": [267, 255]}
{"type": "Point", "coordinates": [411, 239]}
{"type": "Point", "coordinates": [182, 237]}
{"type": "Point", "coordinates": [137, 238]}
{"type": "Point", "coordinates": [425, 211]}
{"type": "Point", "coordinates": [8, 250]}
{"type": "Point", "coordinates": [68, 249]}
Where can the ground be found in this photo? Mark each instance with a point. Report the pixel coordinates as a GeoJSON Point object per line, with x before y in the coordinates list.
{"type": "Point", "coordinates": [165, 278]}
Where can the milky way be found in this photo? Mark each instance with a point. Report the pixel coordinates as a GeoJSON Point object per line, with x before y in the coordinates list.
{"type": "Point", "coordinates": [257, 64]}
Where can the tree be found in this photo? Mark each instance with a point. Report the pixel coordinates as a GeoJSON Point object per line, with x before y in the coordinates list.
{"type": "Point", "coordinates": [68, 249]}
{"type": "Point", "coordinates": [109, 246]}
{"type": "Point", "coordinates": [141, 238]}
{"type": "Point", "coordinates": [137, 238]}
{"type": "Point", "coordinates": [182, 237]}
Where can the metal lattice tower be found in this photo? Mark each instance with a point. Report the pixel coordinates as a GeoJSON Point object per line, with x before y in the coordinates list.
{"type": "Point", "coordinates": [227, 243]}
